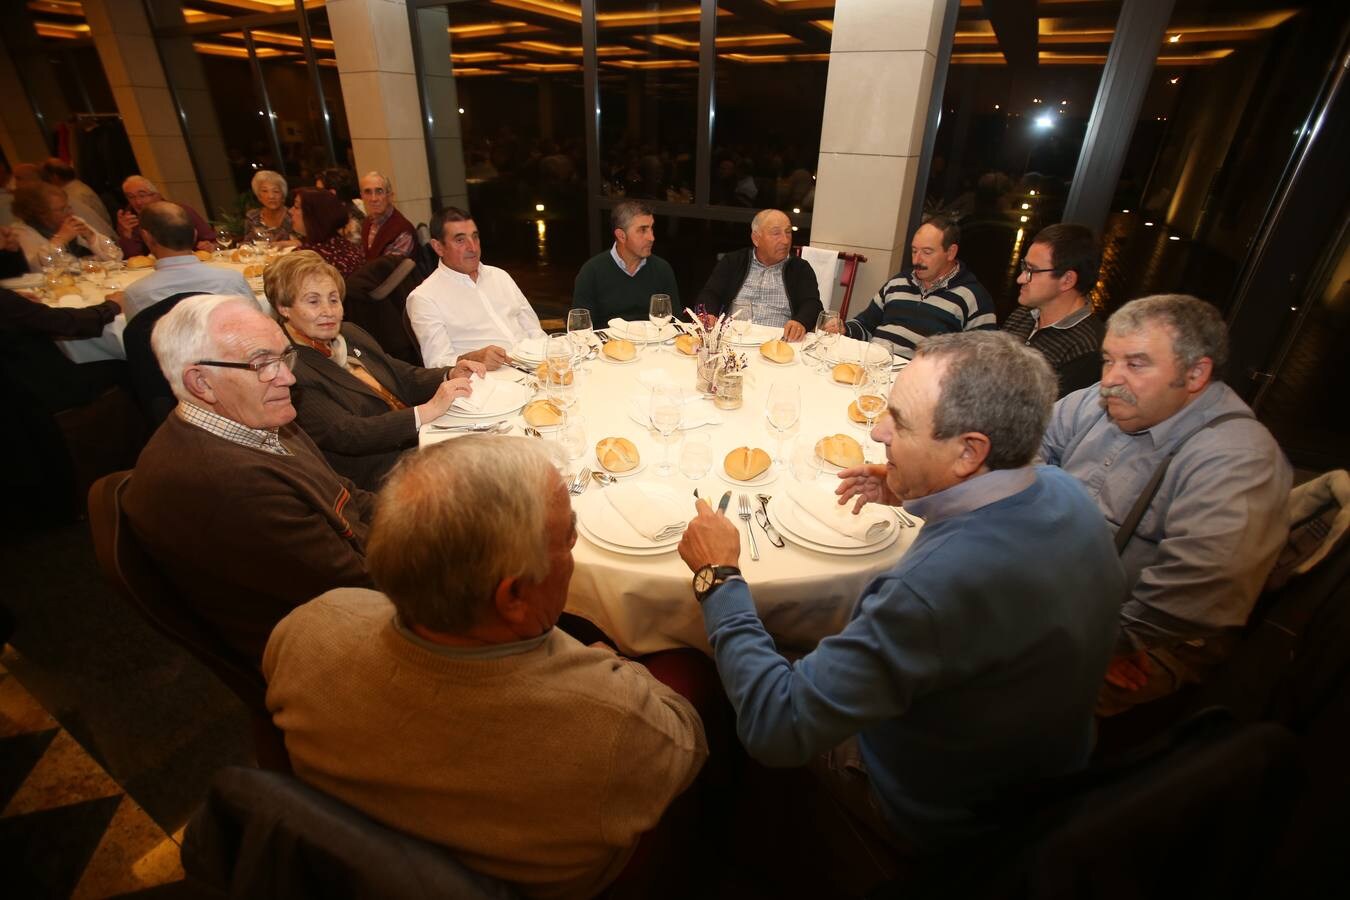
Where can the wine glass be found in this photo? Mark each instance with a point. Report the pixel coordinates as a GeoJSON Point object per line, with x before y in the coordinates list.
{"type": "Point", "coordinates": [571, 435]}
{"type": "Point", "coordinates": [806, 464]}
{"type": "Point", "coordinates": [659, 312]}
{"type": "Point", "coordinates": [827, 334]}
{"type": "Point", "coordinates": [667, 409]}
{"type": "Point", "coordinates": [782, 409]}
{"type": "Point", "coordinates": [94, 269]}
{"type": "Point", "coordinates": [558, 359]}
{"type": "Point", "coordinates": [581, 331]}
{"type": "Point", "coordinates": [876, 354]}
{"type": "Point", "coordinates": [870, 396]}
{"type": "Point", "coordinates": [224, 239]}
{"type": "Point", "coordinates": [740, 323]}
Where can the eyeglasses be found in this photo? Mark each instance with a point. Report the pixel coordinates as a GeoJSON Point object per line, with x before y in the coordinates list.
{"type": "Point", "coordinates": [1031, 271]}
{"type": "Point", "coordinates": [266, 367]}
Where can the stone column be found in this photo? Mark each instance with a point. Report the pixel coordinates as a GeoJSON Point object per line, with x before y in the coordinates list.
{"type": "Point", "coordinates": [131, 61]}
{"type": "Point", "coordinates": [882, 58]}
{"type": "Point", "coordinates": [379, 90]}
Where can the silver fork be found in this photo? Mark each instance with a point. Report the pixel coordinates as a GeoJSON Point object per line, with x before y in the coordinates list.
{"type": "Point", "coordinates": [580, 482]}
{"type": "Point", "coordinates": [745, 517]}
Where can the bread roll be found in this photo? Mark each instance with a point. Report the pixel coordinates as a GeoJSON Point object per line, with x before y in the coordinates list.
{"type": "Point", "coordinates": [620, 350]}
{"type": "Point", "coordinates": [140, 262]}
{"type": "Point", "coordinates": [253, 271]}
{"type": "Point", "coordinates": [780, 351]}
{"type": "Point", "coordinates": [236, 256]}
{"type": "Point", "coordinates": [855, 415]}
{"type": "Point", "coordinates": [848, 373]}
{"type": "Point", "coordinates": [687, 344]}
{"type": "Point", "coordinates": [542, 412]}
{"type": "Point", "coordinates": [617, 454]}
{"type": "Point", "coordinates": [841, 450]}
{"type": "Point", "coordinates": [543, 374]}
{"type": "Point", "coordinates": [203, 255]}
{"type": "Point", "coordinates": [745, 463]}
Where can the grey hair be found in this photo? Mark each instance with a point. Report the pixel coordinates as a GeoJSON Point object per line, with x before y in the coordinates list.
{"type": "Point", "coordinates": [625, 211]}
{"type": "Point", "coordinates": [995, 385]}
{"type": "Point", "coordinates": [267, 176]}
{"type": "Point", "coordinates": [455, 519]}
{"type": "Point", "coordinates": [757, 223]}
{"type": "Point", "coordinates": [1197, 329]}
{"type": "Point", "coordinates": [184, 336]}
{"type": "Point", "coordinates": [388, 185]}
{"type": "Point", "coordinates": [150, 184]}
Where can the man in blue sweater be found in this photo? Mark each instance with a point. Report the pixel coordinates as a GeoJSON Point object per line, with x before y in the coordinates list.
{"type": "Point", "coordinates": [972, 666]}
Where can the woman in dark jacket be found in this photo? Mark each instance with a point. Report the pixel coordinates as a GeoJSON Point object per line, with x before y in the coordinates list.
{"type": "Point", "coordinates": [362, 407]}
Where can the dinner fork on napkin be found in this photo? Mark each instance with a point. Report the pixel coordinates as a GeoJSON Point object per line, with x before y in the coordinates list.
{"type": "Point", "coordinates": [822, 505]}
{"type": "Point", "coordinates": [654, 516]}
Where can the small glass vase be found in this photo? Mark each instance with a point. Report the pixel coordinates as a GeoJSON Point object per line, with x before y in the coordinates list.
{"type": "Point", "coordinates": [729, 388]}
{"type": "Point", "coordinates": [706, 365]}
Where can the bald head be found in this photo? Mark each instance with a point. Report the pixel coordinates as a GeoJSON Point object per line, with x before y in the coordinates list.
{"type": "Point", "coordinates": [167, 229]}
{"type": "Point", "coordinates": [771, 233]}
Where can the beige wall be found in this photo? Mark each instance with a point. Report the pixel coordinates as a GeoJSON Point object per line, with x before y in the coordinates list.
{"type": "Point", "coordinates": [882, 59]}
{"type": "Point", "coordinates": [379, 90]}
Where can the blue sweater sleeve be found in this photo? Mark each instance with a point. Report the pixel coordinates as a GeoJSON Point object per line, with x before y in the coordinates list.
{"type": "Point", "coordinates": [787, 713]}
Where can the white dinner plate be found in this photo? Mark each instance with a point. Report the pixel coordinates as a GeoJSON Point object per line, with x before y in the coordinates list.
{"type": "Point", "coordinates": [796, 359]}
{"type": "Point", "coordinates": [598, 515]}
{"type": "Point", "coordinates": [620, 362]}
{"type": "Point", "coordinates": [626, 551]}
{"type": "Point", "coordinates": [757, 335]}
{"type": "Point", "coordinates": [794, 524]}
{"type": "Point", "coordinates": [508, 398]}
{"type": "Point", "coordinates": [768, 475]}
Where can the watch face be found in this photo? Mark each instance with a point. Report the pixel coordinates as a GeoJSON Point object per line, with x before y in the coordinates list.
{"type": "Point", "coordinates": [703, 578]}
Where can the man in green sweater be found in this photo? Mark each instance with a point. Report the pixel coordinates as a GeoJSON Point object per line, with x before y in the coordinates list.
{"type": "Point", "coordinates": [620, 282]}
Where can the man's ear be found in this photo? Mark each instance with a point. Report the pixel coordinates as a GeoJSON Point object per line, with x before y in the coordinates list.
{"type": "Point", "coordinates": [438, 247]}
{"type": "Point", "coordinates": [974, 451]}
{"type": "Point", "coordinates": [509, 601]}
{"type": "Point", "coordinates": [1068, 281]}
{"type": "Point", "coordinates": [198, 385]}
{"type": "Point", "coordinates": [1199, 375]}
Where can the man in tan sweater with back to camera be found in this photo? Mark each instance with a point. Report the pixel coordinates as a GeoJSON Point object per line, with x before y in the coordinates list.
{"type": "Point", "coordinates": [451, 708]}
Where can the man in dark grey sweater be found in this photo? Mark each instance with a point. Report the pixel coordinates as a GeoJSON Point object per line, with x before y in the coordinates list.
{"type": "Point", "coordinates": [619, 282]}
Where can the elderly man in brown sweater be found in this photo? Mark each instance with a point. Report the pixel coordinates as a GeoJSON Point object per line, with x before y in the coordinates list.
{"type": "Point", "coordinates": [233, 502]}
{"type": "Point", "coordinates": [450, 707]}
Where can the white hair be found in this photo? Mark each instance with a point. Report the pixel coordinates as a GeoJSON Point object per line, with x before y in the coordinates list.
{"type": "Point", "coordinates": [267, 176]}
{"type": "Point", "coordinates": [184, 336]}
{"type": "Point", "coordinates": [148, 183]}
{"type": "Point", "coordinates": [761, 217]}
{"type": "Point", "coordinates": [388, 185]}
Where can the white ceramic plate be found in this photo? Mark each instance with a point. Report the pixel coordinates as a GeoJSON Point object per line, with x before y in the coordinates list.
{"type": "Point", "coordinates": [796, 359]}
{"type": "Point", "coordinates": [765, 477]}
{"type": "Point", "coordinates": [604, 522]}
{"type": "Point", "coordinates": [620, 362]}
{"type": "Point", "coordinates": [644, 454]}
{"type": "Point", "coordinates": [626, 551]}
{"type": "Point", "coordinates": [508, 398]}
{"type": "Point", "coordinates": [790, 521]}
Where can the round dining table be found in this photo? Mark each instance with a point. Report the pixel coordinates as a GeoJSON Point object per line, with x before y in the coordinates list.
{"type": "Point", "coordinates": [643, 599]}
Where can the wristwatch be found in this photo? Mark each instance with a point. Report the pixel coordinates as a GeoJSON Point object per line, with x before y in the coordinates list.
{"type": "Point", "coordinates": [710, 578]}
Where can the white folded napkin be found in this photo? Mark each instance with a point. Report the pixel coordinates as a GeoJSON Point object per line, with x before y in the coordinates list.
{"type": "Point", "coordinates": [696, 415]}
{"type": "Point", "coordinates": [823, 505]}
{"type": "Point", "coordinates": [649, 513]}
{"type": "Point", "coordinates": [482, 392]}
{"type": "Point", "coordinates": [530, 348]}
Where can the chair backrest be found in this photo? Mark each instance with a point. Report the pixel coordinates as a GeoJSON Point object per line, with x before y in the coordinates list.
{"type": "Point", "coordinates": [376, 295]}
{"type": "Point", "coordinates": [423, 234]}
{"type": "Point", "coordinates": [264, 834]}
{"type": "Point", "coordinates": [151, 390]}
{"type": "Point", "coordinates": [833, 268]}
{"type": "Point", "coordinates": [133, 573]}
{"type": "Point", "coordinates": [1193, 812]}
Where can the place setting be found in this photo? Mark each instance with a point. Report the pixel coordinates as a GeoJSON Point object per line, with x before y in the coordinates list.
{"type": "Point", "coordinates": [808, 513]}
{"type": "Point", "coordinates": [634, 518]}
{"type": "Point", "coordinates": [491, 398]}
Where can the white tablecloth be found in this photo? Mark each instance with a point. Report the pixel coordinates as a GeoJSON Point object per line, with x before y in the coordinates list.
{"type": "Point", "coordinates": [109, 344]}
{"type": "Point", "coordinates": [646, 603]}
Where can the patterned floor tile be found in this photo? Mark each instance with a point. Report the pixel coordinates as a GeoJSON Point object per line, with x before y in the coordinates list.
{"type": "Point", "coordinates": [133, 855]}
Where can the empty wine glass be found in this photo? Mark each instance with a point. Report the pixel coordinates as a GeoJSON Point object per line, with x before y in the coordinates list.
{"type": "Point", "coordinates": [581, 331]}
{"type": "Point", "coordinates": [659, 312]}
{"type": "Point", "coordinates": [94, 269]}
{"type": "Point", "coordinates": [782, 409]}
{"type": "Point", "coordinates": [806, 463]}
{"type": "Point", "coordinates": [870, 396]}
{"type": "Point", "coordinates": [224, 239]}
{"type": "Point", "coordinates": [571, 435]}
{"type": "Point", "coordinates": [740, 323]}
{"type": "Point", "coordinates": [876, 354]}
{"type": "Point", "coordinates": [827, 334]}
{"type": "Point", "coordinates": [667, 409]}
{"type": "Point", "coordinates": [558, 360]}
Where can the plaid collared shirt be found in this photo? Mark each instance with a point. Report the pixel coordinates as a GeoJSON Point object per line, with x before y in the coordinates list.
{"type": "Point", "coordinates": [764, 294]}
{"type": "Point", "coordinates": [266, 440]}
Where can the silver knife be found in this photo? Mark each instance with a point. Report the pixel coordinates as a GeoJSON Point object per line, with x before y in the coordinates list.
{"type": "Point", "coordinates": [724, 503]}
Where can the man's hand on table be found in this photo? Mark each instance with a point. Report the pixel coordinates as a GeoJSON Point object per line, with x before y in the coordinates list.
{"type": "Point", "coordinates": [710, 540]}
{"type": "Point", "coordinates": [868, 484]}
{"type": "Point", "coordinates": [1129, 672]}
{"type": "Point", "coordinates": [491, 356]}
{"type": "Point", "coordinates": [117, 298]}
{"type": "Point", "coordinates": [794, 330]}
{"type": "Point", "coordinates": [467, 367]}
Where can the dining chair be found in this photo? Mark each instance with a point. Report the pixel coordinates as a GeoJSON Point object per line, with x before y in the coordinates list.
{"type": "Point", "coordinates": [125, 563]}
{"type": "Point", "coordinates": [844, 275]}
{"type": "Point", "coordinates": [267, 834]}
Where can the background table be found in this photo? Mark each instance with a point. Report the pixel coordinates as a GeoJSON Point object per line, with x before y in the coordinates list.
{"type": "Point", "coordinates": [647, 603]}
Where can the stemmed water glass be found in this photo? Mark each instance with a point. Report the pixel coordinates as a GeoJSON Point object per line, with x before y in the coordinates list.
{"type": "Point", "coordinates": [224, 239]}
{"type": "Point", "coordinates": [870, 396]}
{"type": "Point", "coordinates": [659, 312]}
{"type": "Point", "coordinates": [667, 409]}
{"type": "Point", "coordinates": [876, 354]}
{"type": "Point", "coordinates": [782, 409]}
{"type": "Point", "coordinates": [827, 335]}
{"type": "Point", "coordinates": [580, 330]}
{"type": "Point", "coordinates": [558, 360]}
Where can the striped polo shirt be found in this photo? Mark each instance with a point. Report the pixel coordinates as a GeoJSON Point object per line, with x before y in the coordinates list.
{"type": "Point", "coordinates": [905, 312]}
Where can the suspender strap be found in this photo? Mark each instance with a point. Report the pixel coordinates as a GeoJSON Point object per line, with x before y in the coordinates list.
{"type": "Point", "coordinates": [1127, 527]}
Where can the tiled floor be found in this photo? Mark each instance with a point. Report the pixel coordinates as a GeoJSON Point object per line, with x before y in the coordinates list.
{"type": "Point", "coordinates": [67, 829]}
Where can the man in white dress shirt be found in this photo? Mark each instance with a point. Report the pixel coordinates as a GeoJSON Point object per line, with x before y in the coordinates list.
{"type": "Point", "coordinates": [467, 310]}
